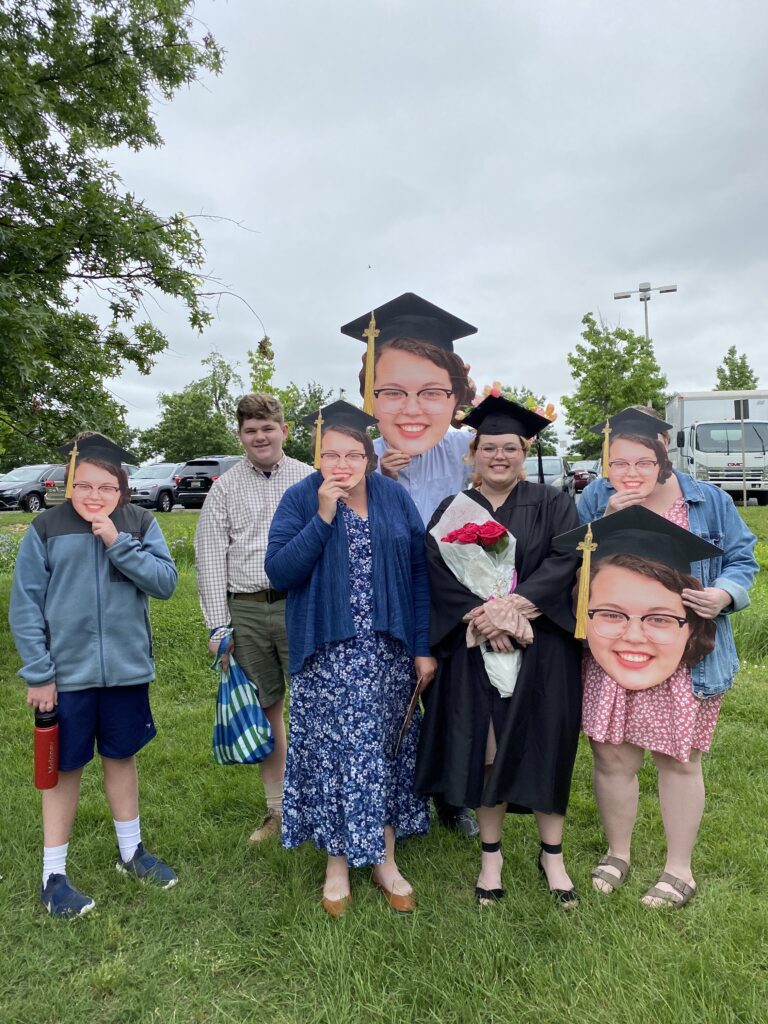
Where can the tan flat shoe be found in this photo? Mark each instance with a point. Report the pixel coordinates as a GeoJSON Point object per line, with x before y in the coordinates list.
{"type": "Point", "coordinates": [270, 827]}
{"type": "Point", "coordinates": [403, 904]}
{"type": "Point", "coordinates": [336, 908]}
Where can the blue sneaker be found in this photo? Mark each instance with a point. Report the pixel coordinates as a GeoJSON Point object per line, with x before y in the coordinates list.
{"type": "Point", "coordinates": [147, 868]}
{"type": "Point", "coordinates": [61, 899]}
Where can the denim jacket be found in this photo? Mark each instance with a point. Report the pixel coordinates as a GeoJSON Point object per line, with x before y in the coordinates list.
{"type": "Point", "coordinates": [713, 516]}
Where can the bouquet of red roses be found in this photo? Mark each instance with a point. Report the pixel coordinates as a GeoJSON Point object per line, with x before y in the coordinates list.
{"type": "Point", "coordinates": [489, 535]}
{"type": "Point", "coordinates": [481, 555]}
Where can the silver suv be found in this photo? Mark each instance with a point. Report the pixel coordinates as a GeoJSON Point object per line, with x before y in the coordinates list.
{"type": "Point", "coordinates": [155, 486]}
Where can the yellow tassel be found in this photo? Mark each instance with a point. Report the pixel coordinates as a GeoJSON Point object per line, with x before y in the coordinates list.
{"type": "Point", "coordinates": [71, 471]}
{"type": "Point", "coordinates": [586, 546]}
{"type": "Point", "coordinates": [318, 438]}
{"type": "Point", "coordinates": [606, 446]}
{"type": "Point", "coordinates": [370, 360]}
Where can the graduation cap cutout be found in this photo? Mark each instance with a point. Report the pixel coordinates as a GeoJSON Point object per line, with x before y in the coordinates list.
{"type": "Point", "coordinates": [341, 414]}
{"type": "Point", "coordinates": [501, 416]}
{"type": "Point", "coordinates": [407, 316]}
{"type": "Point", "coordinates": [633, 531]}
{"type": "Point", "coordinates": [98, 447]}
{"type": "Point", "coordinates": [629, 421]}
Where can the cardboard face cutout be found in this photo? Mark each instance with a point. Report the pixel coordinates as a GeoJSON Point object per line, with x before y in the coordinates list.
{"type": "Point", "coordinates": [637, 629]}
{"type": "Point", "coordinates": [417, 389]}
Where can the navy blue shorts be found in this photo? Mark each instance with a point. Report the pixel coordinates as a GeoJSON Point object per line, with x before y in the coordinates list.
{"type": "Point", "coordinates": [117, 718]}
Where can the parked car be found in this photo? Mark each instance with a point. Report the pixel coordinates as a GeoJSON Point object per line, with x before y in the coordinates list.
{"type": "Point", "coordinates": [196, 477]}
{"type": "Point", "coordinates": [155, 486]}
{"type": "Point", "coordinates": [555, 470]}
{"type": "Point", "coordinates": [580, 474]}
{"type": "Point", "coordinates": [26, 488]}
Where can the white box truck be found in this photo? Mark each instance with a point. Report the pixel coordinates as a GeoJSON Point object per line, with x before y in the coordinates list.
{"type": "Point", "coordinates": [708, 442]}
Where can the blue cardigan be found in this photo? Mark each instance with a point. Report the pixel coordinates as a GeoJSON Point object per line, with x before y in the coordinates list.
{"type": "Point", "coordinates": [310, 559]}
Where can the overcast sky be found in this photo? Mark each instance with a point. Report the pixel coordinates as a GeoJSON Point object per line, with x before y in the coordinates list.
{"type": "Point", "coordinates": [514, 162]}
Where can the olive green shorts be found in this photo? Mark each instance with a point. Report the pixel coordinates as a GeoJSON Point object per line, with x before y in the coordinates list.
{"type": "Point", "coordinates": [261, 646]}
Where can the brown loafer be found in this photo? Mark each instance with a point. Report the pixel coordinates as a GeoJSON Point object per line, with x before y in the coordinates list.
{"type": "Point", "coordinates": [271, 826]}
{"type": "Point", "coordinates": [336, 908]}
{"type": "Point", "coordinates": [403, 904]}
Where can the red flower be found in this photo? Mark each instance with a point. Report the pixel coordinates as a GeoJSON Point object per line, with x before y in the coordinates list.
{"type": "Point", "coordinates": [466, 534]}
{"type": "Point", "coordinates": [491, 532]}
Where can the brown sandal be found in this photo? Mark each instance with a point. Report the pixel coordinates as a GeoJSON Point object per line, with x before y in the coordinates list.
{"type": "Point", "coordinates": [608, 877]}
{"type": "Point", "coordinates": [683, 893]}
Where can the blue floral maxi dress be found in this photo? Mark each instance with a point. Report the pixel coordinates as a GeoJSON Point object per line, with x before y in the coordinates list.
{"type": "Point", "coordinates": [342, 785]}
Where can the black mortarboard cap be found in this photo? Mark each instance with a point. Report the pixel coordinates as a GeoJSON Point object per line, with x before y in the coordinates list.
{"type": "Point", "coordinates": [501, 416]}
{"type": "Point", "coordinates": [342, 414]}
{"type": "Point", "coordinates": [638, 531]}
{"type": "Point", "coordinates": [633, 421]}
{"type": "Point", "coordinates": [99, 447]}
{"type": "Point", "coordinates": [410, 316]}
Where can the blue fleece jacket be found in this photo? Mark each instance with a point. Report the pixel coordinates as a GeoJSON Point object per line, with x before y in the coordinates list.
{"type": "Point", "coordinates": [79, 610]}
{"type": "Point", "coordinates": [310, 559]}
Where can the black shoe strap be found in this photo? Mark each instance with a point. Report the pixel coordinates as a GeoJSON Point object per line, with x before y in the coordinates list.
{"type": "Point", "coordinates": [551, 848]}
{"type": "Point", "coordinates": [491, 847]}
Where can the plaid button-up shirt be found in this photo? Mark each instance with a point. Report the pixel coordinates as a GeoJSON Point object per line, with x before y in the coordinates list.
{"type": "Point", "coordinates": [231, 536]}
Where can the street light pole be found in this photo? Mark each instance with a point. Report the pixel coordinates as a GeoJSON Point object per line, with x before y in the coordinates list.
{"type": "Point", "coordinates": [643, 291]}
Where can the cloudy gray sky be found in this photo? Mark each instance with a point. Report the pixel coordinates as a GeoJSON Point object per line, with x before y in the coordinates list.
{"type": "Point", "coordinates": [514, 162]}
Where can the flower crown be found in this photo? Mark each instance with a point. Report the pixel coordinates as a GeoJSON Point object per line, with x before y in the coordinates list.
{"type": "Point", "coordinates": [499, 390]}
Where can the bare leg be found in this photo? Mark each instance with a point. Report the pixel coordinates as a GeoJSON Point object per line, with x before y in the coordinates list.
{"type": "Point", "coordinates": [681, 796]}
{"type": "Point", "coordinates": [336, 878]}
{"type": "Point", "coordinates": [60, 807]}
{"type": "Point", "coordinates": [491, 822]}
{"type": "Point", "coordinates": [551, 831]}
{"type": "Point", "coordinates": [121, 787]}
{"type": "Point", "coordinates": [614, 777]}
{"type": "Point", "coordinates": [388, 873]}
{"type": "Point", "coordinates": [273, 767]}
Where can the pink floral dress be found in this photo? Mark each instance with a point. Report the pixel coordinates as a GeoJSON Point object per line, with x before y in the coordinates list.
{"type": "Point", "coordinates": [667, 718]}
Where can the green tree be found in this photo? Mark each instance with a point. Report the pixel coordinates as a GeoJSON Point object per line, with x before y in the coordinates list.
{"type": "Point", "coordinates": [77, 79]}
{"type": "Point", "coordinates": [199, 420]}
{"type": "Point", "coordinates": [735, 373]}
{"type": "Point", "coordinates": [611, 369]}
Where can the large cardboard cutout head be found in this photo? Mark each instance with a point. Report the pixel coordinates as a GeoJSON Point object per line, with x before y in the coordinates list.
{"type": "Point", "coordinates": [419, 381]}
{"type": "Point", "coordinates": [636, 566]}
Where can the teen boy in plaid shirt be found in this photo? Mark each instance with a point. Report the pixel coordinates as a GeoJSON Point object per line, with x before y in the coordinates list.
{"type": "Point", "coordinates": [230, 544]}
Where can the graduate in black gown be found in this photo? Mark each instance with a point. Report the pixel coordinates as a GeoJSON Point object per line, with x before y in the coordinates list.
{"type": "Point", "coordinates": [477, 748]}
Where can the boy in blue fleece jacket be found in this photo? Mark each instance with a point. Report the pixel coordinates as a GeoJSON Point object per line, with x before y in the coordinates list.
{"type": "Point", "coordinates": [79, 616]}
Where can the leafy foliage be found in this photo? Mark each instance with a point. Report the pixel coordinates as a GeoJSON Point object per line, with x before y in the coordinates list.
{"type": "Point", "coordinates": [199, 420]}
{"type": "Point", "coordinates": [79, 78]}
{"type": "Point", "coordinates": [735, 373]}
{"type": "Point", "coordinates": [612, 369]}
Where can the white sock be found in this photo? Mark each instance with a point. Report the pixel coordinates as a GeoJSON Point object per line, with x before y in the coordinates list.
{"type": "Point", "coordinates": [54, 861]}
{"type": "Point", "coordinates": [273, 794]}
{"type": "Point", "coordinates": [128, 837]}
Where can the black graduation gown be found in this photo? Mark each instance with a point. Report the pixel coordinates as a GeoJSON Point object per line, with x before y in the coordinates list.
{"type": "Point", "coordinates": [537, 728]}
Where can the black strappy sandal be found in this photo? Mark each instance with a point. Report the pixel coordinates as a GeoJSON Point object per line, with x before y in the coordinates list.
{"type": "Point", "coordinates": [485, 897]}
{"type": "Point", "coordinates": [567, 898]}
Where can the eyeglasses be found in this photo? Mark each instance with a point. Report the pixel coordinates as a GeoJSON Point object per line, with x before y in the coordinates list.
{"type": "Point", "coordinates": [489, 450]}
{"type": "Point", "coordinates": [393, 399]}
{"type": "Point", "coordinates": [104, 490]}
{"type": "Point", "coordinates": [644, 467]}
{"type": "Point", "coordinates": [660, 628]}
{"type": "Point", "coordinates": [353, 458]}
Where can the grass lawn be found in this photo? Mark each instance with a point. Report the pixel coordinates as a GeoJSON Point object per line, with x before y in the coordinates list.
{"type": "Point", "coordinates": [242, 937]}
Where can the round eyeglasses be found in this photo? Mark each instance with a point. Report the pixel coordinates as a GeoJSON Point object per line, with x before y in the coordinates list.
{"type": "Point", "coordinates": [658, 627]}
{"type": "Point", "coordinates": [103, 491]}
{"type": "Point", "coordinates": [352, 458]}
{"type": "Point", "coordinates": [394, 399]}
{"type": "Point", "coordinates": [489, 450]}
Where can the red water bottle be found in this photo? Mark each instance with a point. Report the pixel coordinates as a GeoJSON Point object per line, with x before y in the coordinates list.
{"type": "Point", "coordinates": [46, 749]}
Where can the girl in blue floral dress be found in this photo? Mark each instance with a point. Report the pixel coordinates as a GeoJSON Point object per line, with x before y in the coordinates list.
{"type": "Point", "coordinates": [349, 549]}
